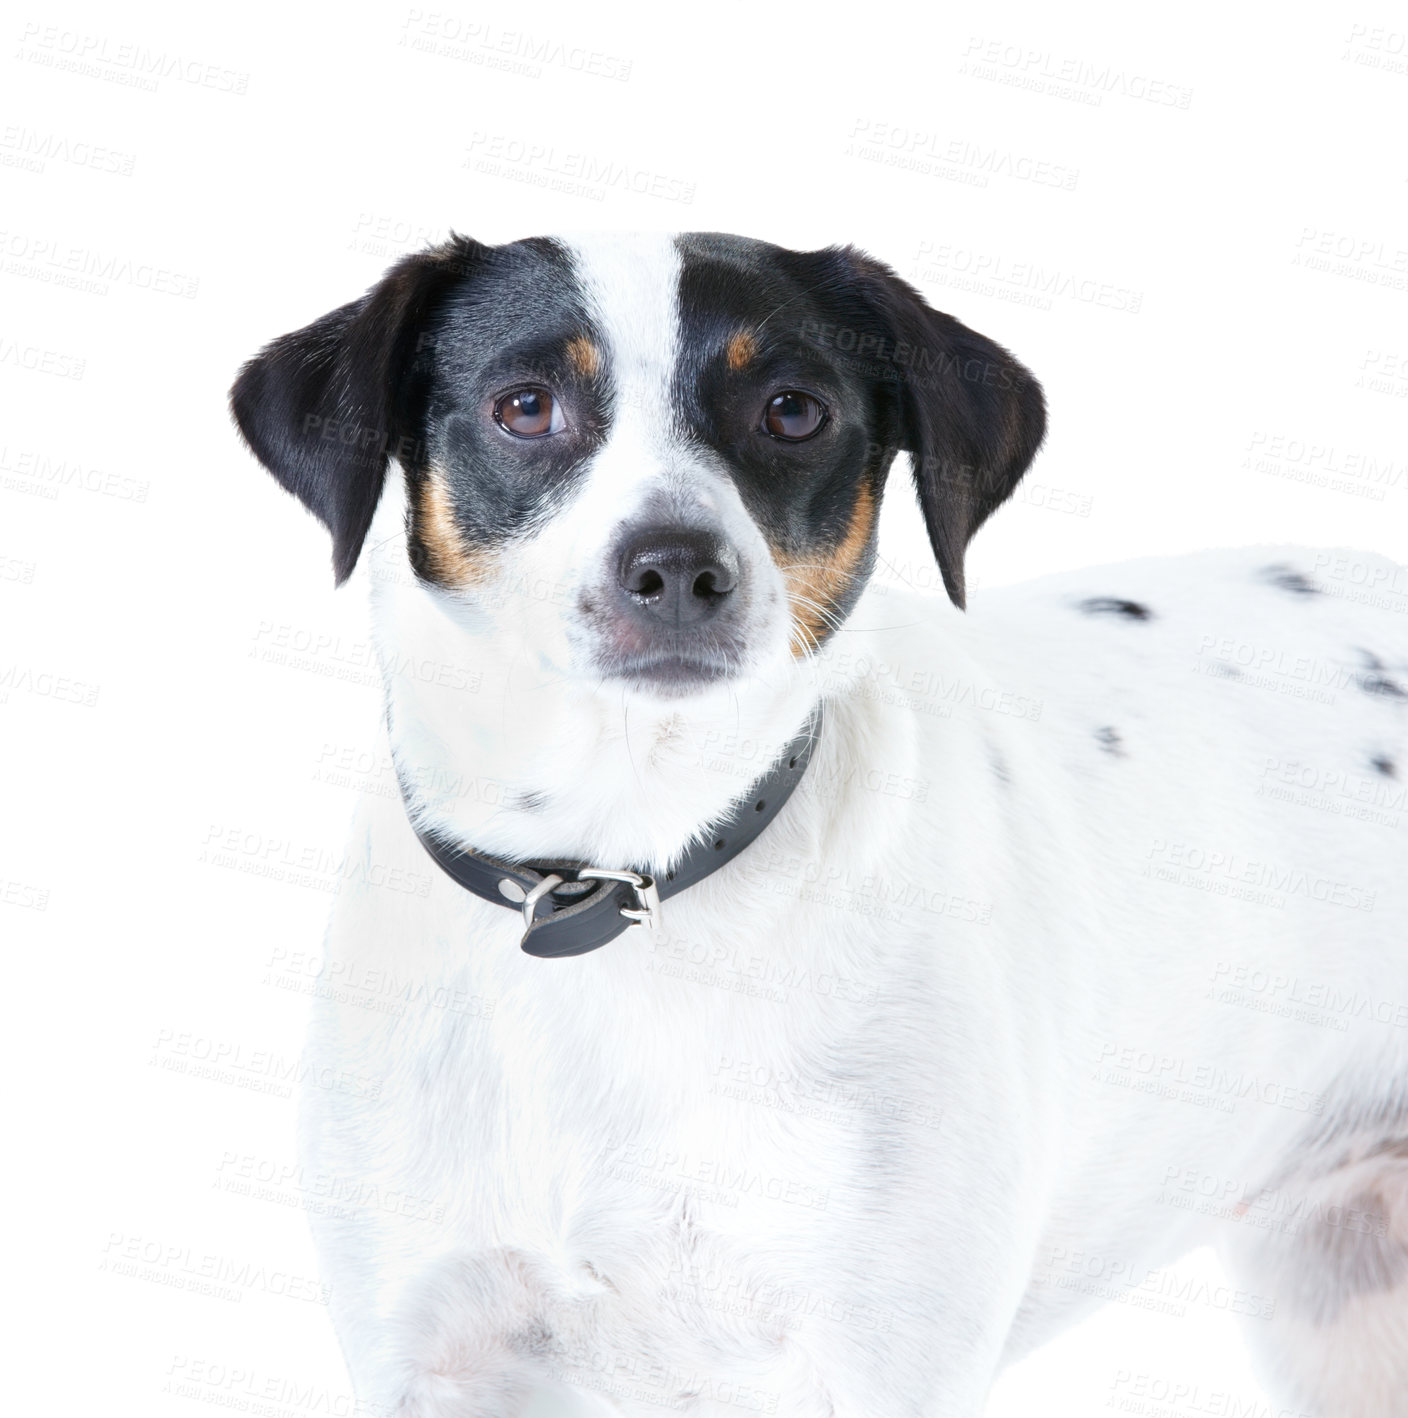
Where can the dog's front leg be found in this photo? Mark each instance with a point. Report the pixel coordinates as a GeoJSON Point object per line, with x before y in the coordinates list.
{"type": "Point", "coordinates": [898, 1297]}
{"type": "Point", "coordinates": [939, 1350]}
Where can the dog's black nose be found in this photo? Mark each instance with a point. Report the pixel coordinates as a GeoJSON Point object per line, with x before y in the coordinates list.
{"type": "Point", "coordinates": [676, 576]}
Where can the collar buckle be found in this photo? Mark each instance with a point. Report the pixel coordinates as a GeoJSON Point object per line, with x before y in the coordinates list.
{"type": "Point", "coordinates": [530, 901]}
{"type": "Point", "coordinates": [647, 910]}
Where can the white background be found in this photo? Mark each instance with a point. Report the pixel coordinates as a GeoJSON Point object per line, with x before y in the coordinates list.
{"type": "Point", "coordinates": [1190, 225]}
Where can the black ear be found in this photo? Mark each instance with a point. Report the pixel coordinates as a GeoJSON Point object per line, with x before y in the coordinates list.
{"type": "Point", "coordinates": [971, 415]}
{"type": "Point", "coordinates": [325, 407]}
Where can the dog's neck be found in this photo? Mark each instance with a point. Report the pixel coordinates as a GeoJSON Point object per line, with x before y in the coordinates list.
{"type": "Point", "coordinates": [508, 756]}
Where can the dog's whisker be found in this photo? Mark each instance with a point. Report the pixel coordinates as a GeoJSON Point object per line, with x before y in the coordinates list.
{"type": "Point", "coordinates": [807, 634]}
{"type": "Point", "coordinates": [823, 614]}
{"type": "Point", "coordinates": [823, 566]}
{"type": "Point", "coordinates": [828, 611]}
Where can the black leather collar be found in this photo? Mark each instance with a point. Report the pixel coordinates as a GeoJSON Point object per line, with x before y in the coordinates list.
{"type": "Point", "coordinates": [570, 908]}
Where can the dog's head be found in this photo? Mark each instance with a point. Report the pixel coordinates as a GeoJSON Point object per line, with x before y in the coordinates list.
{"type": "Point", "coordinates": [686, 438]}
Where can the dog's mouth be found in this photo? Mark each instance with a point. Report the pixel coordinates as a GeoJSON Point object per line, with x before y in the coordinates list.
{"type": "Point", "coordinates": [668, 672]}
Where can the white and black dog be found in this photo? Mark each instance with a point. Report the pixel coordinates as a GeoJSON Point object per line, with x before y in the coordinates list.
{"type": "Point", "coordinates": [960, 972]}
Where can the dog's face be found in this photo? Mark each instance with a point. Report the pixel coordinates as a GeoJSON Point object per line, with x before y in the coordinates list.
{"type": "Point", "coordinates": [680, 444]}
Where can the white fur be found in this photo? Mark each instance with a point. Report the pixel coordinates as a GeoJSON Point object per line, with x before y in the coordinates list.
{"type": "Point", "coordinates": [852, 1130]}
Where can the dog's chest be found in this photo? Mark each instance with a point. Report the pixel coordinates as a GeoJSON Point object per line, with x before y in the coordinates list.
{"type": "Point", "coordinates": [642, 1176]}
{"type": "Point", "coordinates": [668, 1089]}
{"type": "Point", "coordinates": [696, 1080]}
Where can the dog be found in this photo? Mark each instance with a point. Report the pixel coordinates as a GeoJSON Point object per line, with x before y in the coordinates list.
{"type": "Point", "coordinates": [812, 997]}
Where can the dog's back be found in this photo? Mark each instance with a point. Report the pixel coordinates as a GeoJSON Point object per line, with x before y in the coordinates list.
{"type": "Point", "coordinates": [1231, 732]}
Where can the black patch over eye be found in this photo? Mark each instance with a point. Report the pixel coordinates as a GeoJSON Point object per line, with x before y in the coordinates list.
{"type": "Point", "coordinates": [793, 415]}
{"type": "Point", "coordinates": [529, 413]}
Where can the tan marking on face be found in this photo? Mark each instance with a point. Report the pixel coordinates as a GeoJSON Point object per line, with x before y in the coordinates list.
{"type": "Point", "coordinates": [451, 560]}
{"type": "Point", "coordinates": [583, 356]}
{"type": "Point", "coordinates": [740, 351]}
{"type": "Point", "coordinates": [817, 581]}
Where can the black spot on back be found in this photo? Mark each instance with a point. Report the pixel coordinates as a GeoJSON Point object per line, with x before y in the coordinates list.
{"type": "Point", "coordinates": [1375, 679]}
{"type": "Point", "coordinates": [1113, 605]}
{"type": "Point", "coordinates": [1381, 684]}
{"type": "Point", "coordinates": [1385, 765]}
{"type": "Point", "coordinates": [999, 766]}
{"type": "Point", "coordinates": [1289, 579]}
{"type": "Point", "coordinates": [1109, 739]}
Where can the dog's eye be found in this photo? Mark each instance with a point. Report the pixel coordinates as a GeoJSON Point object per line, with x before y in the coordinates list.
{"type": "Point", "coordinates": [529, 413]}
{"type": "Point", "coordinates": [793, 415]}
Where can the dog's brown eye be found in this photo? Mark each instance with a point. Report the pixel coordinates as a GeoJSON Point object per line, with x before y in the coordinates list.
{"type": "Point", "coordinates": [529, 413]}
{"type": "Point", "coordinates": [793, 415]}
